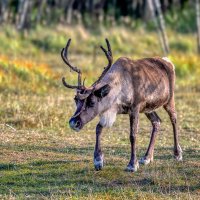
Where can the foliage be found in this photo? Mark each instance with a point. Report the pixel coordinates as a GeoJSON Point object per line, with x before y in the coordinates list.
{"type": "Point", "coordinates": [26, 14]}
{"type": "Point", "coordinates": [182, 20]}
{"type": "Point", "coordinates": [19, 76]}
{"type": "Point", "coordinates": [85, 44]}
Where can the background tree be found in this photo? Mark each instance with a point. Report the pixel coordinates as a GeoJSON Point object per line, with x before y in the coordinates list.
{"type": "Point", "coordinates": [198, 24]}
{"type": "Point", "coordinates": [24, 8]}
{"type": "Point", "coordinates": [161, 26]}
{"type": "Point", "coordinates": [3, 10]}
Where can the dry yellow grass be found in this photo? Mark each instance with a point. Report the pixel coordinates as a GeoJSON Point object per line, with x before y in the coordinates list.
{"type": "Point", "coordinates": [41, 158]}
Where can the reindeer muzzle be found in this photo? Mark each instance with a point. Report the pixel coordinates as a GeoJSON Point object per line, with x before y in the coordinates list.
{"type": "Point", "coordinates": [75, 123]}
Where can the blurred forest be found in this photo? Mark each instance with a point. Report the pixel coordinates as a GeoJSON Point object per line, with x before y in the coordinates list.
{"type": "Point", "coordinates": [179, 14]}
{"type": "Point", "coordinates": [172, 26]}
{"type": "Point", "coordinates": [41, 158]}
{"type": "Point", "coordinates": [156, 27]}
{"type": "Point", "coordinates": [29, 13]}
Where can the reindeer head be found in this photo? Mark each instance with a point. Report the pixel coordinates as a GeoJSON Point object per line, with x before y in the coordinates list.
{"type": "Point", "coordinates": [88, 99]}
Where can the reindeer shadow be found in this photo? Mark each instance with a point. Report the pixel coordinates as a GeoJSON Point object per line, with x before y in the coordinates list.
{"type": "Point", "coordinates": [78, 175]}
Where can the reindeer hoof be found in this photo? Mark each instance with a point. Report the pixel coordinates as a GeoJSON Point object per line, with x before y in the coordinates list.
{"type": "Point", "coordinates": [98, 163]}
{"type": "Point", "coordinates": [145, 160]}
{"type": "Point", "coordinates": [132, 168]}
{"type": "Point", "coordinates": [178, 155]}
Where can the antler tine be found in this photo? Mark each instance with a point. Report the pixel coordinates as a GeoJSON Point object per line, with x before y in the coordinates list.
{"type": "Point", "coordinates": [84, 82]}
{"type": "Point", "coordinates": [108, 53]}
{"type": "Point", "coordinates": [64, 55]}
{"type": "Point", "coordinates": [109, 47]}
{"type": "Point", "coordinates": [67, 85]}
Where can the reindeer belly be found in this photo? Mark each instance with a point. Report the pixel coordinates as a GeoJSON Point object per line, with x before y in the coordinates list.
{"type": "Point", "coordinates": [151, 106]}
{"type": "Point", "coordinates": [155, 99]}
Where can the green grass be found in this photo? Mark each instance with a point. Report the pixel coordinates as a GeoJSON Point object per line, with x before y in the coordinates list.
{"type": "Point", "coordinates": [42, 158]}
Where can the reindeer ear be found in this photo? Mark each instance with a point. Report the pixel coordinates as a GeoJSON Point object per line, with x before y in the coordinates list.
{"type": "Point", "coordinates": [103, 91]}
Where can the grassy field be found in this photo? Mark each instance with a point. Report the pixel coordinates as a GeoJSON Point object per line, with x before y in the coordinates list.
{"type": "Point", "coordinates": [41, 158]}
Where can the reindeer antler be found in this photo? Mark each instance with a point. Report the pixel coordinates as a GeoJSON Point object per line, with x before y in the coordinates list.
{"type": "Point", "coordinates": [108, 54]}
{"type": "Point", "coordinates": [64, 53]}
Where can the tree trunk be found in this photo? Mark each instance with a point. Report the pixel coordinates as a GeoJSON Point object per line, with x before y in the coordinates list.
{"type": "Point", "coordinates": [40, 11]}
{"type": "Point", "coordinates": [3, 10]}
{"type": "Point", "coordinates": [159, 23]}
{"type": "Point", "coordinates": [98, 11]}
{"type": "Point", "coordinates": [162, 26]}
{"type": "Point", "coordinates": [198, 25]}
{"type": "Point", "coordinates": [69, 11]}
{"type": "Point", "coordinates": [91, 6]}
{"type": "Point", "coordinates": [23, 14]}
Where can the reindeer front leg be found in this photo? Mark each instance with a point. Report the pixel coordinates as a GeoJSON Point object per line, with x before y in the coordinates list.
{"type": "Point", "coordinates": [98, 156]}
{"type": "Point", "coordinates": [134, 121]}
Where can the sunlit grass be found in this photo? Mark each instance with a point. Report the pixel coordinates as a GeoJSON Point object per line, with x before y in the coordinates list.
{"type": "Point", "coordinates": [24, 75]}
{"type": "Point", "coordinates": [41, 158]}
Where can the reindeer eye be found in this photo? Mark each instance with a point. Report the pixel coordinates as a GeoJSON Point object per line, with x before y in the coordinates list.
{"type": "Point", "coordinates": [75, 99]}
{"type": "Point", "coordinates": [90, 103]}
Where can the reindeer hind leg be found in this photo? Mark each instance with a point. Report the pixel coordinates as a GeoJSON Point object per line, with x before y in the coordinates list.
{"type": "Point", "coordinates": [170, 108]}
{"type": "Point", "coordinates": [155, 121]}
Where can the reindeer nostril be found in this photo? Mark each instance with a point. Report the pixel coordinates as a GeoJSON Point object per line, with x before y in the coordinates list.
{"type": "Point", "coordinates": [75, 124]}
{"type": "Point", "coordinates": [78, 123]}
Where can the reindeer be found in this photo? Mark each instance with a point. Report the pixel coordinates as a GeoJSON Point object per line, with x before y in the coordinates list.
{"type": "Point", "coordinates": [126, 87]}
